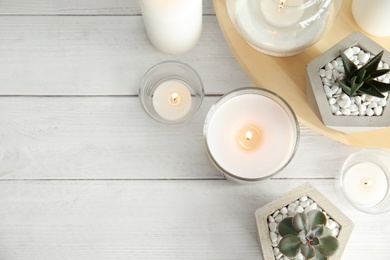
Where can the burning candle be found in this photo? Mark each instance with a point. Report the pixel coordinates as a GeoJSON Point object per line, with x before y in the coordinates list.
{"type": "Point", "coordinates": [364, 180]}
{"type": "Point", "coordinates": [173, 26]}
{"type": "Point", "coordinates": [282, 13]}
{"type": "Point", "coordinates": [172, 100]}
{"type": "Point", "coordinates": [171, 92]}
{"type": "Point", "coordinates": [251, 134]}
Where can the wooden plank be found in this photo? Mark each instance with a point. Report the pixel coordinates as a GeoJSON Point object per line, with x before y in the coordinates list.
{"type": "Point", "coordinates": [106, 55]}
{"type": "Point", "coordinates": [286, 76]}
{"type": "Point", "coordinates": [153, 220]}
{"type": "Point", "coordinates": [78, 7]}
{"type": "Point", "coordinates": [113, 138]}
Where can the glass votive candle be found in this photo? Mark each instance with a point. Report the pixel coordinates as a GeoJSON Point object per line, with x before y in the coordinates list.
{"type": "Point", "coordinates": [282, 27]}
{"type": "Point", "coordinates": [171, 92]}
{"type": "Point", "coordinates": [364, 180]}
{"type": "Point", "coordinates": [251, 134]}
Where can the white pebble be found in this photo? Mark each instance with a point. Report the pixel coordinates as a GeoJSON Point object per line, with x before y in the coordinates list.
{"type": "Point", "coordinates": [378, 110]}
{"type": "Point", "coordinates": [353, 108]}
{"type": "Point", "coordinates": [328, 92]}
{"type": "Point", "coordinates": [335, 232]}
{"type": "Point", "coordinates": [273, 236]}
{"type": "Point", "coordinates": [305, 203]}
{"type": "Point", "coordinates": [279, 218]}
{"type": "Point", "coordinates": [380, 65]}
{"type": "Point", "coordinates": [366, 103]}
{"type": "Point", "coordinates": [322, 73]}
{"type": "Point", "coordinates": [332, 101]}
{"type": "Point", "coordinates": [349, 53]}
{"type": "Point", "coordinates": [328, 74]}
{"type": "Point", "coordinates": [292, 206]}
{"type": "Point", "coordinates": [345, 111]}
{"type": "Point", "coordinates": [385, 66]}
{"type": "Point", "coordinates": [271, 219]}
{"type": "Point", "coordinates": [283, 210]}
{"type": "Point", "coordinates": [372, 105]}
{"type": "Point", "coordinates": [362, 113]}
{"type": "Point", "coordinates": [276, 251]}
{"type": "Point", "coordinates": [363, 58]}
{"type": "Point", "coordinates": [274, 244]}
{"type": "Point", "coordinates": [303, 198]}
{"type": "Point", "coordinates": [278, 256]}
{"type": "Point", "coordinates": [355, 50]}
{"type": "Point", "coordinates": [358, 99]}
{"type": "Point", "coordinates": [386, 80]}
{"type": "Point", "coordinates": [335, 74]}
{"type": "Point", "coordinates": [356, 113]}
{"type": "Point", "coordinates": [299, 209]}
{"type": "Point", "coordinates": [340, 69]}
{"type": "Point", "coordinates": [370, 112]}
{"type": "Point", "coordinates": [369, 98]}
{"type": "Point", "coordinates": [382, 102]}
{"type": "Point", "coordinates": [333, 108]}
{"type": "Point", "coordinates": [339, 61]}
{"type": "Point", "coordinates": [334, 89]}
{"type": "Point", "coordinates": [344, 103]}
{"type": "Point", "coordinates": [331, 224]}
{"type": "Point", "coordinates": [328, 66]}
{"type": "Point", "coordinates": [310, 207]}
{"type": "Point", "coordinates": [272, 226]}
{"type": "Point", "coordinates": [275, 213]}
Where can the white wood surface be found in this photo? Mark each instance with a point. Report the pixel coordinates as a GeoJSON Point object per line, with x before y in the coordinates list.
{"type": "Point", "coordinates": [86, 174]}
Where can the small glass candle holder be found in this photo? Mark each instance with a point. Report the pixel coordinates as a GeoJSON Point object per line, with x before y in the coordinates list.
{"type": "Point", "coordinates": [171, 92]}
{"type": "Point", "coordinates": [251, 134]}
{"type": "Point", "coordinates": [282, 27]}
{"type": "Point", "coordinates": [364, 180]}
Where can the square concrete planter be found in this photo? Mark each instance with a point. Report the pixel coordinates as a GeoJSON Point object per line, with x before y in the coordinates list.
{"type": "Point", "coordinates": [318, 101]}
{"type": "Point", "coordinates": [308, 190]}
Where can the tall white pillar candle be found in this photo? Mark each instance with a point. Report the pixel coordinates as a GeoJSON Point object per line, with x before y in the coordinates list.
{"type": "Point", "coordinates": [173, 26]}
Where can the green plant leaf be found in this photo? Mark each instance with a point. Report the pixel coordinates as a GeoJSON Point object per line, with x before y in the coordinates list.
{"type": "Point", "coordinates": [300, 222]}
{"type": "Point", "coordinates": [345, 87]}
{"type": "Point", "coordinates": [378, 73]}
{"type": "Point", "coordinates": [290, 246]}
{"type": "Point", "coordinates": [349, 66]}
{"type": "Point", "coordinates": [371, 90]}
{"type": "Point", "coordinates": [380, 86]}
{"type": "Point", "coordinates": [316, 217]}
{"type": "Point", "coordinates": [355, 86]}
{"type": "Point", "coordinates": [308, 251]}
{"type": "Point", "coordinates": [286, 227]}
{"type": "Point", "coordinates": [318, 230]}
{"type": "Point", "coordinates": [328, 245]}
{"type": "Point", "coordinates": [318, 256]}
{"type": "Point", "coordinates": [315, 241]}
{"type": "Point", "coordinates": [372, 64]}
{"type": "Point", "coordinates": [360, 76]}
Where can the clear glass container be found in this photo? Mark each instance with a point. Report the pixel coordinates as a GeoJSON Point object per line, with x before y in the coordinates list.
{"type": "Point", "coordinates": [282, 27]}
{"type": "Point", "coordinates": [364, 180]}
{"type": "Point", "coordinates": [251, 134]}
{"type": "Point", "coordinates": [171, 92]}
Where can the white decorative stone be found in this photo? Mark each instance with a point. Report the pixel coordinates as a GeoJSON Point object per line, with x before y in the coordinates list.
{"type": "Point", "coordinates": [292, 207]}
{"type": "Point", "coordinates": [272, 226]}
{"type": "Point", "coordinates": [284, 210]}
{"type": "Point", "coordinates": [344, 103]}
{"type": "Point", "coordinates": [273, 236]}
{"type": "Point", "coordinates": [378, 111]}
{"type": "Point", "coordinates": [279, 218]}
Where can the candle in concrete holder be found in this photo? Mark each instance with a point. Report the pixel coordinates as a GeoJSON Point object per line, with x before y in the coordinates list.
{"type": "Point", "coordinates": [251, 134]}
{"type": "Point", "coordinates": [173, 26]}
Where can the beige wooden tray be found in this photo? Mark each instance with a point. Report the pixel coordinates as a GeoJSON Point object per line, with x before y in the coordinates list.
{"type": "Point", "coordinates": [286, 76]}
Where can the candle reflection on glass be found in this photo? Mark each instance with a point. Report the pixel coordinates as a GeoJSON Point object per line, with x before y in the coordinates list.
{"type": "Point", "coordinates": [282, 14]}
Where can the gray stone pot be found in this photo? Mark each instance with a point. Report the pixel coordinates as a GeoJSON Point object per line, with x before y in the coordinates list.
{"type": "Point", "coordinates": [316, 96]}
{"type": "Point", "coordinates": [346, 225]}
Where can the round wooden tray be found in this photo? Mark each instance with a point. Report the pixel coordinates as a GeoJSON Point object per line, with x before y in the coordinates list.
{"type": "Point", "coordinates": [286, 76]}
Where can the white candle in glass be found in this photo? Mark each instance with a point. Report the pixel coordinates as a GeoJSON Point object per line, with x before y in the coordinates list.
{"type": "Point", "coordinates": [172, 100]}
{"type": "Point", "coordinates": [365, 184]}
{"type": "Point", "coordinates": [282, 13]}
{"type": "Point", "coordinates": [250, 136]}
{"type": "Point", "coordinates": [173, 26]}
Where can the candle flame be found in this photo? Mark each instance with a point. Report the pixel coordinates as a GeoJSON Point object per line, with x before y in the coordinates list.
{"type": "Point", "coordinates": [174, 96]}
{"type": "Point", "coordinates": [248, 135]}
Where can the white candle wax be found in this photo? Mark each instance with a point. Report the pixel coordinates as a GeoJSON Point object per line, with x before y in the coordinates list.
{"type": "Point", "coordinates": [365, 184]}
{"type": "Point", "coordinates": [282, 13]}
{"type": "Point", "coordinates": [172, 100]}
{"type": "Point", "coordinates": [271, 141]}
{"type": "Point", "coordinates": [173, 26]}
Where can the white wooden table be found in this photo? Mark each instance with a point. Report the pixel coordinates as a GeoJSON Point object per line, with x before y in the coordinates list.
{"type": "Point", "coordinates": [86, 174]}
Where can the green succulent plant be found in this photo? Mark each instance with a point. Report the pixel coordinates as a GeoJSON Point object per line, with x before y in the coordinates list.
{"type": "Point", "coordinates": [308, 235]}
{"type": "Point", "coordinates": [362, 80]}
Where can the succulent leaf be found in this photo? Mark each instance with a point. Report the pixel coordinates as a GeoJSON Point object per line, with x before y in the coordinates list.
{"type": "Point", "coordinates": [286, 227]}
{"type": "Point", "coordinates": [328, 245]}
{"type": "Point", "coordinates": [361, 80]}
{"type": "Point", "coordinates": [318, 230]}
{"type": "Point", "coordinates": [290, 245]}
{"type": "Point", "coordinates": [308, 251]}
{"type": "Point", "coordinates": [300, 222]}
{"type": "Point", "coordinates": [315, 241]}
{"type": "Point", "coordinates": [349, 66]}
{"type": "Point", "coordinates": [318, 256]}
{"type": "Point", "coordinates": [316, 217]}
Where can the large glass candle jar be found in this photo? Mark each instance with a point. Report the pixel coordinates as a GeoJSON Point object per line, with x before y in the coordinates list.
{"type": "Point", "coordinates": [282, 27]}
{"type": "Point", "coordinates": [251, 134]}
